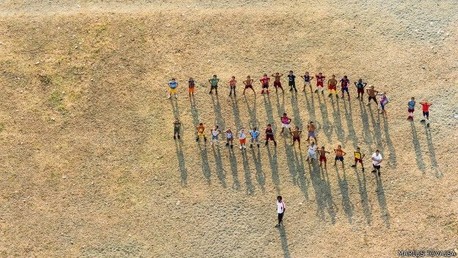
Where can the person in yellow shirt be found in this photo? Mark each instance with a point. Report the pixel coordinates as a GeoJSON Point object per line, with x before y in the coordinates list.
{"type": "Point", "coordinates": [358, 158]}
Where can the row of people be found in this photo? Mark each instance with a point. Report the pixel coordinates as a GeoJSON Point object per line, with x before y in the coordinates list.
{"type": "Point", "coordinates": [265, 83]}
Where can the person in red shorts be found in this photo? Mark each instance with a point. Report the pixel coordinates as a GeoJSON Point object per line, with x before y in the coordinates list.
{"type": "Point", "coordinates": [265, 84]}
{"type": "Point", "coordinates": [248, 84]}
{"type": "Point", "coordinates": [296, 133]}
{"type": "Point", "coordinates": [332, 86]}
{"type": "Point", "coordinates": [323, 158]}
{"type": "Point", "coordinates": [270, 135]}
{"type": "Point", "coordinates": [320, 83]}
{"type": "Point", "coordinates": [277, 82]}
{"type": "Point", "coordinates": [358, 158]}
{"type": "Point", "coordinates": [344, 82]}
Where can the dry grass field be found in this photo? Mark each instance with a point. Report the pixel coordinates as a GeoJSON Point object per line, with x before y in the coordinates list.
{"type": "Point", "coordinates": [89, 167]}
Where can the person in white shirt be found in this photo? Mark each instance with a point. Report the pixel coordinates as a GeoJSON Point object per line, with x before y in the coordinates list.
{"type": "Point", "coordinates": [280, 210]}
{"type": "Point", "coordinates": [376, 160]}
{"type": "Point", "coordinates": [311, 157]}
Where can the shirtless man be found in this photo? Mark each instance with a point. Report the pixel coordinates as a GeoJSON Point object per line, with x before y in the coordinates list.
{"type": "Point", "coordinates": [232, 85]}
{"type": "Point", "coordinates": [372, 95]}
{"type": "Point", "coordinates": [296, 133]}
{"type": "Point", "coordinates": [311, 132]}
{"type": "Point", "coordinates": [277, 82]}
{"type": "Point", "coordinates": [320, 83]}
{"type": "Point", "coordinates": [248, 84]}
{"type": "Point", "coordinates": [307, 81]}
{"type": "Point", "coordinates": [339, 155]}
{"type": "Point", "coordinates": [332, 86]}
{"type": "Point", "coordinates": [323, 158]}
{"type": "Point", "coordinates": [265, 83]}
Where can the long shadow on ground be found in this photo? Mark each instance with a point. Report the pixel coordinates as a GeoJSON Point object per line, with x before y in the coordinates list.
{"type": "Point", "coordinates": [392, 155]}
{"type": "Point", "coordinates": [367, 209]}
{"type": "Point", "coordinates": [323, 193]}
{"type": "Point", "coordinates": [302, 180]}
{"type": "Point", "coordinates": [219, 166]}
{"type": "Point", "coordinates": [349, 119]}
{"type": "Point", "coordinates": [326, 126]}
{"type": "Point", "coordinates": [272, 155]}
{"type": "Point", "coordinates": [181, 163]}
{"type": "Point", "coordinates": [417, 148]}
{"type": "Point", "coordinates": [382, 202]}
{"type": "Point", "coordinates": [260, 176]}
{"type": "Point", "coordinates": [337, 120]}
{"type": "Point", "coordinates": [233, 164]}
{"type": "Point", "coordinates": [284, 241]}
{"type": "Point", "coordinates": [346, 202]}
{"type": "Point", "coordinates": [246, 169]}
{"type": "Point", "coordinates": [432, 152]}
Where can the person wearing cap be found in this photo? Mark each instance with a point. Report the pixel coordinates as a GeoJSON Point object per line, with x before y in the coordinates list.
{"type": "Point", "coordinates": [372, 95]}
{"type": "Point", "coordinates": [376, 161]}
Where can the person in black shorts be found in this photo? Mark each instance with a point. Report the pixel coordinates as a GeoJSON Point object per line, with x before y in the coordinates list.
{"type": "Point", "coordinates": [292, 81]}
{"type": "Point", "coordinates": [248, 84]}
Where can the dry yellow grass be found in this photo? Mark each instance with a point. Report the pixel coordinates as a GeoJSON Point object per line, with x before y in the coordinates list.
{"type": "Point", "coordinates": [89, 166]}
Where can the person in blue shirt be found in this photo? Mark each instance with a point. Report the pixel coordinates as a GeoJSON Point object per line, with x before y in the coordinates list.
{"type": "Point", "coordinates": [411, 108]}
{"type": "Point", "coordinates": [173, 84]}
{"type": "Point", "coordinates": [254, 133]}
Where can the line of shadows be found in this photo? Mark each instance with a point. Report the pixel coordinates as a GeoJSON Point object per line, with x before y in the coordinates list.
{"type": "Point", "coordinates": [246, 169]}
{"type": "Point", "coordinates": [181, 163]}
{"type": "Point", "coordinates": [219, 166]}
{"type": "Point", "coordinates": [260, 176]}
{"type": "Point", "coordinates": [236, 113]}
{"type": "Point", "coordinates": [349, 119]}
{"type": "Point", "coordinates": [367, 209]}
{"type": "Point", "coordinates": [205, 165]}
{"type": "Point", "coordinates": [323, 193]}
{"type": "Point", "coordinates": [348, 207]}
{"type": "Point", "coordinates": [382, 202]}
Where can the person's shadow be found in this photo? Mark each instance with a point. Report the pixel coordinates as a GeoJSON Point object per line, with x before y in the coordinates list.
{"type": "Point", "coordinates": [346, 202]}
{"type": "Point", "coordinates": [382, 202]}
{"type": "Point", "coordinates": [233, 164]}
{"type": "Point", "coordinates": [217, 111]}
{"type": "Point", "coordinates": [327, 127]}
{"type": "Point", "coordinates": [349, 119]}
{"type": "Point", "coordinates": [251, 112]}
{"type": "Point", "coordinates": [337, 120]}
{"type": "Point", "coordinates": [219, 166]}
{"type": "Point", "coordinates": [246, 169]}
{"type": "Point", "coordinates": [367, 209]}
{"type": "Point", "coordinates": [260, 177]}
{"type": "Point", "coordinates": [272, 155]}
{"type": "Point", "coordinates": [417, 148]}
{"type": "Point", "coordinates": [284, 241]}
{"type": "Point", "coordinates": [390, 145]}
{"type": "Point", "coordinates": [302, 180]}
{"type": "Point", "coordinates": [181, 163]}
{"type": "Point", "coordinates": [432, 152]}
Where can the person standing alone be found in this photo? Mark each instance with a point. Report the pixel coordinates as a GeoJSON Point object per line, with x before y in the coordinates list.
{"type": "Point", "coordinates": [280, 211]}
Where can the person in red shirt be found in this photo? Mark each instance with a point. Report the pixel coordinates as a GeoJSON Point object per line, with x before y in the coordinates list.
{"type": "Point", "coordinates": [232, 85]}
{"type": "Point", "coordinates": [425, 108]}
{"type": "Point", "coordinates": [265, 83]}
{"type": "Point", "coordinates": [320, 83]}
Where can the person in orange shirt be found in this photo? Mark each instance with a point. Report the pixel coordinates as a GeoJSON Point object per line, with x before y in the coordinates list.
{"type": "Point", "coordinates": [191, 87]}
{"type": "Point", "coordinates": [339, 155]}
{"type": "Point", "coordinates": [201, 132]}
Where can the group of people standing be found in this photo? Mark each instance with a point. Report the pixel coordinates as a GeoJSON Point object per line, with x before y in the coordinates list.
{"type": "Point", "coordinates": [314, 153]}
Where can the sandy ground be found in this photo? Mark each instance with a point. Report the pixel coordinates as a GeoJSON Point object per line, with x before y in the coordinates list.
{"type": "Point", "coordinates": [89, 167]}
